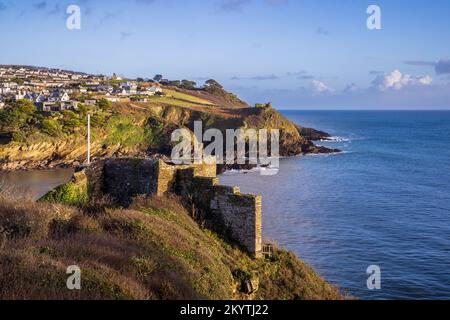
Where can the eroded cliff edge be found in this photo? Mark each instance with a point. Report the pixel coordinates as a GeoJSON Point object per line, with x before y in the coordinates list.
{"type": "Point", "coordinates": [141, 129]}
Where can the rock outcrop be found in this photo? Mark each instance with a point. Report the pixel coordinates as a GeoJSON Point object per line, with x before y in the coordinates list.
{"type": "Point", "coordinates": [70, 151]}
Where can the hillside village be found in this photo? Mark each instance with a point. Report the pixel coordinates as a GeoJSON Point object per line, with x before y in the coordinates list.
{"type": "Point", "coordinates": [54, 90]}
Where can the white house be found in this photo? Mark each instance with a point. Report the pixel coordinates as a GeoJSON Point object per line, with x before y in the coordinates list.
{"type": "Point", "coordinates": [155, 89]}
{"type": "Point", "coordinates": [121, 92]}
{"type": "Point", "coordinates": [129, 87]}
{"type": "Point", "coordinates": [58, 96]}
{"type": "Point", "coordinates": [20, 95]}
{"type": "Point", "coordinates": [151, 91]}
{"type": "Point", "coordinates": [5, 90]}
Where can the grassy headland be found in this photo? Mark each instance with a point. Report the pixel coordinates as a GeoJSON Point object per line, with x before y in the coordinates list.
{"type": "Point", "coordinates": [152, 250]}
{"type": "Point", "coordinates": [32, 139]}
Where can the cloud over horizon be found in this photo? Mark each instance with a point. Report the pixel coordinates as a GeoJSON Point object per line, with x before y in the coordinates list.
{"type": "Point", "coordinates": [320, 87]}
{"type": "Point", "coordinates": [396, 80]}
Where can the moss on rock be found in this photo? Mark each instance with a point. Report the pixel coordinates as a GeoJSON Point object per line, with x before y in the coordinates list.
{"type": "Point", "coordinates": [73, 193]}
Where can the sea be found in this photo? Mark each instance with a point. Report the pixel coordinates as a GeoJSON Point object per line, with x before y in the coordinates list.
{"type": "Point", "coordinates": [384, 201]}
{"type": "Point", "coordinates": [382, 204]}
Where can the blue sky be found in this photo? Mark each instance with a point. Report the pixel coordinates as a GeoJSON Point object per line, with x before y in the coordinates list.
{"type": "Point", "coordinates": [311, 54]}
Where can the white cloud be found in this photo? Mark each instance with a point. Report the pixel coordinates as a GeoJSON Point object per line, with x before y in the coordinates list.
{"type": "Point", "coordinates": [320, 87]}
{"type": "Point", "coordinates": [396, 80]}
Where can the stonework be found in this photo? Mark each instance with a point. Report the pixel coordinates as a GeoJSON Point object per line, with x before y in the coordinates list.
{"type": "Point", "coordinates": [242, 214]}
{"type": "Point", "coordinates": [238, 214]}
{"type": "Point", "coordinates": [124, 179]}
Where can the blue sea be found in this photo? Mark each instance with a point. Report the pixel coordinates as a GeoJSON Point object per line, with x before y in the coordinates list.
{"type": "Point", "coordinates": [385, 200]}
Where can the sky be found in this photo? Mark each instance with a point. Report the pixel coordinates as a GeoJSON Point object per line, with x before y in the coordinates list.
{"type": "Point", "coordinates": [298, 54]}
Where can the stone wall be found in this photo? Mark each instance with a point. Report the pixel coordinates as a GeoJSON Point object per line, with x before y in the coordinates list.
{"type": "Point", "coordinates": [238, 214]}
{"type": "Point", "coordinates": [168, 175]}
{"type": "Point", "coordinates": [124, 179]}
{"type": "Point", "coordinates": [241, 213]}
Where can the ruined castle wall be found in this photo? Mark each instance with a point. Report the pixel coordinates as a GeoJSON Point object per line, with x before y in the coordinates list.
{"type": "Point", "coordinates": [171, 178]}
{"type": "Point", "coordinates": [239, 214]}
{"type": "Point", "coordinates": [166, 181]}
{"type": "Point", "coordinates": [124, 179]}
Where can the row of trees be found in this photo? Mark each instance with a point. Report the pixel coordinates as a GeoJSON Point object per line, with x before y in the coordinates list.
{"type": "Point", "coordinates": [210, 85]}
{"type": "Point", "coordinates": [21, 119]}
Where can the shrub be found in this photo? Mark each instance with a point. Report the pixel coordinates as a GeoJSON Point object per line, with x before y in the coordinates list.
{"type": "Point", "coordinates": [71, 121]}
{"type": "Point", "coordinates": [98, 205]}
{"type": "Point", "coordinates": [20, 136]}
{"type": "Point", "coordinates": [104, 104]}
{"type": "Point", "coordinates": [51, 127]}
{"type": "Point", "coordinates": [22, 219]}
{"type": "Point", "coordinates": [122, 130]}
{"type": "Point", "coordinates": [18, 115]}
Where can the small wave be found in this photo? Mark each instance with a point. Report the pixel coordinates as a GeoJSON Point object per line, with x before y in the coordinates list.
{"type": "Point", "coordinates": [336, 139]}
{"type": "Point", "coordinates": [328, 154]}
{"type": "Point", "coordinates": [245, 171]}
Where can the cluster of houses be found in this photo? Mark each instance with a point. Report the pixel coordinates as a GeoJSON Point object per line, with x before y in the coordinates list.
{"type": "Point", "coordinates": [57, 90]}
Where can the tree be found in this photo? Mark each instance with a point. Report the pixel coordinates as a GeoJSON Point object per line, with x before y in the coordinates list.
{"type": "Point", "coordinates": [213, 85]}
{"type": "Point", "coordinates": [18, 115]}
{"type": "Point", "coordinates": [82, 110]}
{"type": "Point", "coordinates": [51, 127]}
{"type": "Point", "coordinates": [157, 78]}
{"type": "Point", "coordinates": [70, 121]}
{"type": "Point", "coordinates": [187, 84]}
{"type": "Point", "coordinates": [140, 80]}
{"type": "Point", "coordinates": [24, 106]}
{"type": "Point", "coordinates": [104, 104]}
{"type": "Point", "coordinates": [175, 83]}
{"type": "Point", "coordinates": [3, 119]}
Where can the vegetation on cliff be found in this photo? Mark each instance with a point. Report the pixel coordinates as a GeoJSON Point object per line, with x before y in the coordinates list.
{"type": "Point", "coordinates": [32, 139]}
{"type": "Point", "coordinates": [153, 250]}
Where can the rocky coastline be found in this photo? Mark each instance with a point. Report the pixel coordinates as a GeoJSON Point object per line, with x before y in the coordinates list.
{"type": "Point", "coordinates": [54, 163]}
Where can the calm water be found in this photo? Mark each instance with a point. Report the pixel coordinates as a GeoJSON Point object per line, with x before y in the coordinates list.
{"type": "Point", "coordinates": [33, 184]}
{"type": "Point", "coordinates": [384, 201]}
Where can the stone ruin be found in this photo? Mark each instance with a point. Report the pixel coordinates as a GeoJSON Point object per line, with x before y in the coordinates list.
{"type": "Point", "coordinates": [237, 215]}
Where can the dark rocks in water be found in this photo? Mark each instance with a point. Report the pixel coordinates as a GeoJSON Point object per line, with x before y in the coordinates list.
{"type": "Point", "coordinates": [294, 150]}
{"type": "Point", "coordinates": [221, 168]}
{"type": "Point", "coordinates": [302, 148]}
{"type": "Point", "coordinates": [312, 134]}
{"type": "Point", "coordinates": [311, 148]}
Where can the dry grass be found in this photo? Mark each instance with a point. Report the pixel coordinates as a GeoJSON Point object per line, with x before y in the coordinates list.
{"type": "Point", "coordinates": [154, 250]}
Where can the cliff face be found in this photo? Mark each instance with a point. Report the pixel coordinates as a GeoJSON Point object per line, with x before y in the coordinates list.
{"type": "Point", "coordinates": [294, 139]}
{"type": "Point", "coordinates": [139, 129]}
{"type": "Point", "coordinates": [67, 152]}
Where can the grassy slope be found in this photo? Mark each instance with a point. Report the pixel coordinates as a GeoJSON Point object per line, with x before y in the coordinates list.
{"type": "Point", "coordinates": [154, 250]}
{"type": "Point", "coordinates": [133, 128]}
